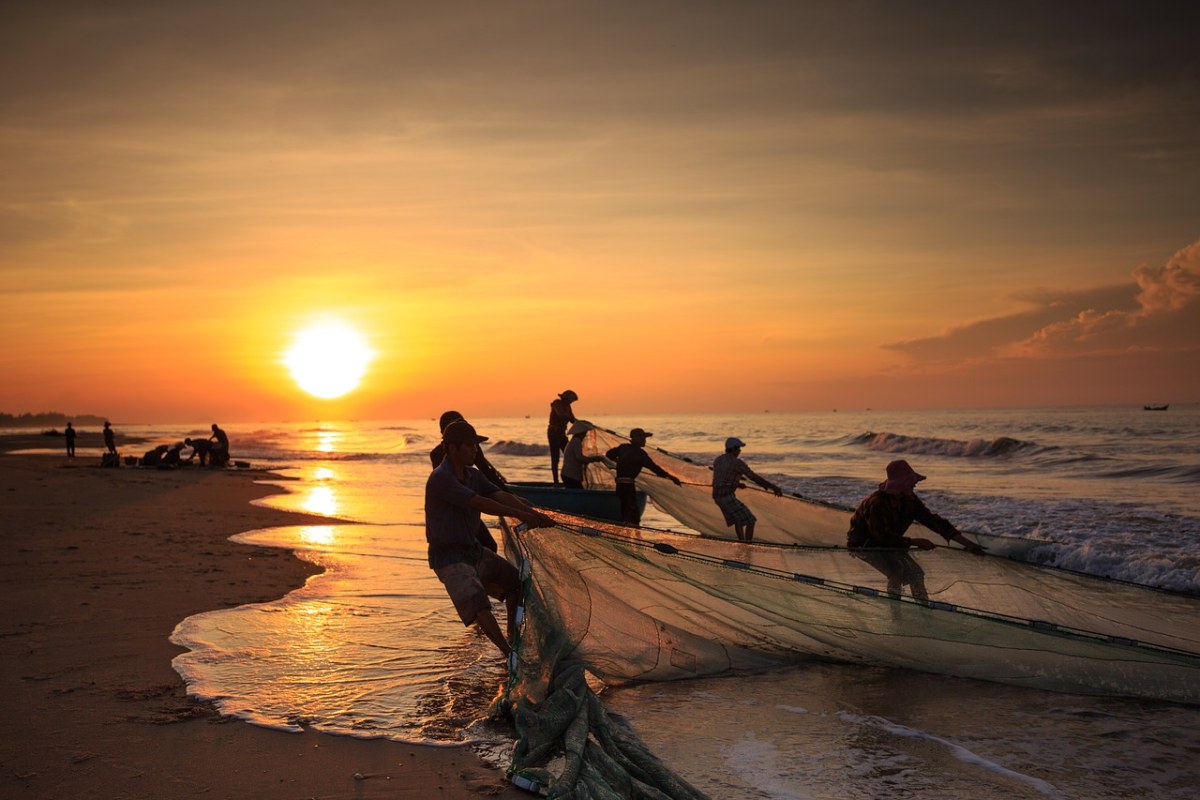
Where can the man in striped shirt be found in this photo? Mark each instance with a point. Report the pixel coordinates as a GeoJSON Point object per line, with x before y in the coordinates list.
{"type": "Point", "coordinates": [728, 472]}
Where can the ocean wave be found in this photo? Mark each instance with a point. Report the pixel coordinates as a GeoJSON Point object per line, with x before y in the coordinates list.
{"type": "Point", "coordinates": [1176, 473]}
{"type": "Point", "coordinates": [930, 446]}
{"type": "Point", "coordinates": [508, 448]}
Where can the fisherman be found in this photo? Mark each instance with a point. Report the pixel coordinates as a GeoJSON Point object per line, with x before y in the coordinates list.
{"type": "Point", "coordinates": [200, 447]}
{"type": "Point", "coordinates": [109, 441]}
{"type": "Point", "coordinates": [561, 415]}
{"type": "Point", "coordinates": [574, 461]}
{"type": "Point", "coordinates": [171, 458]}
{"type": "Point", "coordinates": [630, 459]}
{"type": "Point", "coordinates": [438, 454]}
{"type": "Point", "coordinates": [878, 525]}
{"type": "Point", "coordinates": [70, 434]}
{"type": "Point", "coordinates": [455, 495]}
{"type": "Point", "coordinates": [219, 452]}
{"type": "Point", "coordinates": [152, 458]}
{"type": "Point", "coordinates": [728, 471]}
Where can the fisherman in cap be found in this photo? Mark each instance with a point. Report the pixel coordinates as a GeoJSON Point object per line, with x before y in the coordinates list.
{"type": "Point", "coordinates": [878, 525]}
{"type": "Point", "coordinates": [728, 471]}
{"type": "Point", "coordinates": [455, 496]}
{"type": "Point", "coordinates": [438, 454]}
{"type": "Point", "coordinates": [630, 459]}
{"type": "Point", "coordinates": [561, 416]}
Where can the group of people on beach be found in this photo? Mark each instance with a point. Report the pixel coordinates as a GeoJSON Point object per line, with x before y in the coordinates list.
{"type": "Point", "coordinates": [212, 452]}
{"type": "Point", "coordinates": [464, 485]}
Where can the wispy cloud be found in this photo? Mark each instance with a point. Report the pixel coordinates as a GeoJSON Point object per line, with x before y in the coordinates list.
{"type": "Point", "coordinates": [1158, 311]}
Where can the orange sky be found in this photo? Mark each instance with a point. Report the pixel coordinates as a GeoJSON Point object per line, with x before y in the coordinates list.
{"type": "Point", "coordinates": [663, 206]}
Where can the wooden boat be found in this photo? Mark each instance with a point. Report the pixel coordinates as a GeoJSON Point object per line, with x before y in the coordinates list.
{"type": "Point", "coordinates": [1163, 407]}
{"type": "Point", "coordinates": [595, 503]}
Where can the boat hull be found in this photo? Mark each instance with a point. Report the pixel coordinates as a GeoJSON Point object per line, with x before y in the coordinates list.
{"type": "Point", "coordinates": [595, 503]}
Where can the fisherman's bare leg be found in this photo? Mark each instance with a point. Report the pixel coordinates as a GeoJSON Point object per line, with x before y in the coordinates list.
{"type": "Point", "coordinates": [487, 623]}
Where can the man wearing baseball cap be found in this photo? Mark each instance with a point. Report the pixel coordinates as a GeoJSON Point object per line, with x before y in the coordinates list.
{"type": "Point", "coordinates": [631, 459]}
{"type": "Point", "coordinates": [881, 520]}
{"type": "Point", "coordinates": [728, 471]}
{"type": "Point", "coordinates": [455, 496]}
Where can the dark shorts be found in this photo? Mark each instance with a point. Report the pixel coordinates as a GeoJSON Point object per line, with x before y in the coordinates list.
{"type": "Point", "coordinates": [898, 566]}
{"type": "Point", "coordinates": [470, 585]}
{"type": "Point", "coordinates": [735, 511]}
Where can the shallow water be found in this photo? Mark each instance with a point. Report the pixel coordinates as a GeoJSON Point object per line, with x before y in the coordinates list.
{"type": "Point", "coordinates": [372, 647]}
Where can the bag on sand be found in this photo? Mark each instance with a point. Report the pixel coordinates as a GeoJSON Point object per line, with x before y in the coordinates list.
{"type": "Point", "coordinates": [110, 460]}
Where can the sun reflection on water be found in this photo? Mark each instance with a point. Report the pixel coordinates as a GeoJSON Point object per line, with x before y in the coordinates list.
{"type": "Point", "coordinates": [322, 535]}
{"type": "Point", "coordinates": [321, 500]}
{"type": "Point", "coordinates": [328, 440]}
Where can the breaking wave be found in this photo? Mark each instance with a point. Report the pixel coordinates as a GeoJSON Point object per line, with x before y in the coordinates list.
{"type": "Point", "coordinates": [508, 448]}
{"type": "Point", "coordinates": [930, 446]}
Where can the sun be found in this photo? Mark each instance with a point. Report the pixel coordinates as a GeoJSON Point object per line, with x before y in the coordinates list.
{"type": "Point", "coordinates": [328, 360]}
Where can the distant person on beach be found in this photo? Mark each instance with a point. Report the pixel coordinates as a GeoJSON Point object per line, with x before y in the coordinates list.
{"type": "Point", "coordinates": [438, 454]}
{"type": "Point", "coordinates": [200, 447]}
{"type": "Point", "coordinates": [153, 458]}
{"type": "Point", "coordinates": [70, 434]}
{"type": "Point", "coordinates": [110, 442]}
{"type": "Point", "coordinates": [631, 458]}
{"type": "Point", "coordinates": [171, 458]}
{"type": "Point", "coordinates": [561, 416]}
{"type": "Point", "coordinates": [455, 496]}
{"type": "Point", "coordinates": [728, 471]}
{"type": "Point", "coordinates": [573, 460]}
{"type": "Point", "coordinates": [878, 525]}
{"type": "Point", "coordinates": [219, 453]}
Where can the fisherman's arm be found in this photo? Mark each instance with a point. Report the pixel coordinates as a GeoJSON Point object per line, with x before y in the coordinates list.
{"type": "Point", "coordinates": [761, 481]}
{"type": "Point", "coordinates": [649, 464]}
{"type": "Point", "coordinates": [497, 505]}
{"type": "Point", "coordinates": [942, 526]}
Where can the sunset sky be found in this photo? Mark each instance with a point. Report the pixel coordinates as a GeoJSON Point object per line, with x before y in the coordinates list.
{"type": "Point", "coordinates": [665, 206]}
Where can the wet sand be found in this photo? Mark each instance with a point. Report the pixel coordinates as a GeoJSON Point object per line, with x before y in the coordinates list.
{"type": "Point", "coordinates": [99, 566]}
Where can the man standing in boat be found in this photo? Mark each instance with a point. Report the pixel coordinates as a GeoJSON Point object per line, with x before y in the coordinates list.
{"type": "Point", "coordinates": [561, 416]}
{"type": "Point", "coordinates": [631, 458]}
{"type": "Point", "coordinates": [728, 471]}
{"type": "Point", "coordinates": [455, 496]}
{"type": "Point", "coordinates": [878, 525]}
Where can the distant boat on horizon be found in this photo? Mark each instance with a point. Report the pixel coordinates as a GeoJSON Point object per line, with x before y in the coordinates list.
{"type": "Point", "coordinates": [1163, 407]}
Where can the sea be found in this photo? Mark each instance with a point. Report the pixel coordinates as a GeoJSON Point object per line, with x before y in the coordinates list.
{"type": "Point", "coordinates": [372, 648]}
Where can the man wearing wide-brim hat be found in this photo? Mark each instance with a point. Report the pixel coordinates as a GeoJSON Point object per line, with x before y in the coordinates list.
{"type": "Point", "coordinates": [878, 525]}
{"type": "Point", "coordinates": [573, 460]}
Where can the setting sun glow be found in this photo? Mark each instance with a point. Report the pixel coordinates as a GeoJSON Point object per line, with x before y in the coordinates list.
{"type": "Point", "coordinates": [328, 360]}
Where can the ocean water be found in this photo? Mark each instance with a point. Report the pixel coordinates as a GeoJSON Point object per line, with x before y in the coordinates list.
{"type": "Point", "coordinates": [372, 648]}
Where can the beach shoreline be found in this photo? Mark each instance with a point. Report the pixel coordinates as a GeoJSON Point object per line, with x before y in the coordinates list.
{"type": "Point", "coordinates": [100, 565]}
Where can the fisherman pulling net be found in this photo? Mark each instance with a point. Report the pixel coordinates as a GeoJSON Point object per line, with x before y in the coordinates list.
{"type": "Point", "coordinates": [623, 604]}
{"type": "Point", "coordinates": [781, 519]}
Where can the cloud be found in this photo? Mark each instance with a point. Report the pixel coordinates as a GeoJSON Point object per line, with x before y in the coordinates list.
{"type": "Point", "coordinates": [1158, 311]}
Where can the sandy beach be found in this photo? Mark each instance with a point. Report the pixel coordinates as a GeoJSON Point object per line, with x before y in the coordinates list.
{"type": "Point", "coordinates": [99, 567]}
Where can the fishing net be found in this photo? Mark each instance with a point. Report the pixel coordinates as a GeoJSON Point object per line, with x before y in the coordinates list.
{"type": "Point", "coordinates": [619, 604]}
{"type": "Point", "coordinates": [786, 519]}
{"type": "Point", "coordinates": [568, 745]}
{"type": "Point", "coordinates": [640, 604]}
